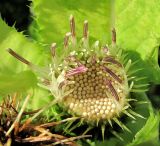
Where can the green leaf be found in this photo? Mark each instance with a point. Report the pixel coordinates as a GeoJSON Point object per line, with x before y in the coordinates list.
{"type": "Point", "coordinates": [140, 127]}
{"type": "Point", "coordinates": [26, 47]}
{"type": "Point", "coordinates": [137, 24]}
{"type": "Point", "coordinates": [19, 82]}
{"type": "Point", "coordinates": [13, 74]}
{"type": "Point", "coordinates": [149, 134]}
{"type": "Point", "coordinates": [52, 19]}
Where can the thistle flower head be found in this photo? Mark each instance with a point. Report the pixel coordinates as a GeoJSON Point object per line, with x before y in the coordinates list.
{"type": "Point", "coordinates": [95, 76]}
{"type": "Point", "coordinates": [90, 82]}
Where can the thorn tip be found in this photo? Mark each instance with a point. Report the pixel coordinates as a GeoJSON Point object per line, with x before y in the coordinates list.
{"type": "Point", "coordinates": [72, 26]}
{"type": "Point", "coordinates": [66, 39]}
{"type": "Point", "coordinates": [85, 29]}
{"type": "Point", "coordinates": [53, 47]}
{"type": "Point", "coordinates": [113, 36]}
{"type": "Point", "coordinates": [17, 56]}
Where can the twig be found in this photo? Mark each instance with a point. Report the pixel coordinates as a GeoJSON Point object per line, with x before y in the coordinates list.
{"type": "Point", "coordinates": [19, 116]}
{"type": "Point", "coordinates": [71, 139]}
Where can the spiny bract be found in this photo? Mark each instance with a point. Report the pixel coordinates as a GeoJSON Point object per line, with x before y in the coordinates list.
{"type": "Point", "coordinates": [90, 82]}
